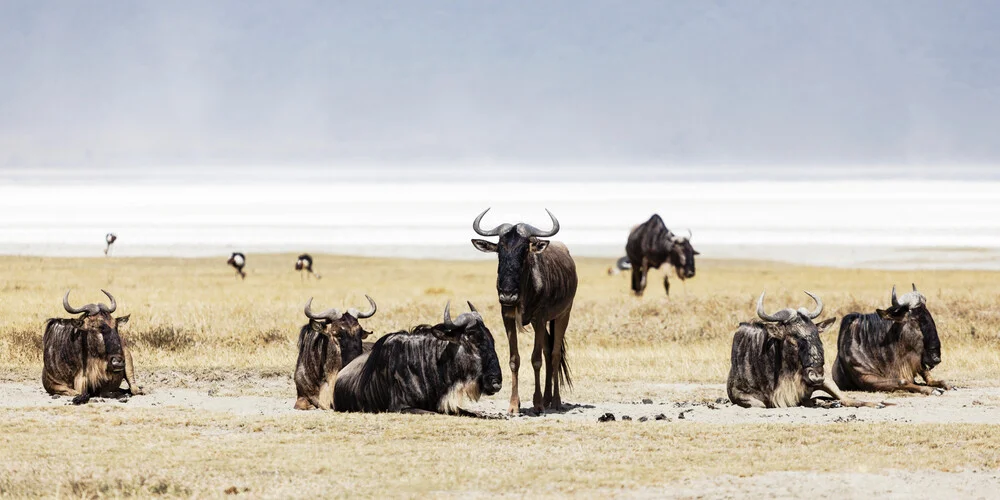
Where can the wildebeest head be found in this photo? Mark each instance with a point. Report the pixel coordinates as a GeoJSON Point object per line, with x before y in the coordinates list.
{"type": "Point", "coordinates": [469, 331]}
{"type": "Point", "coordinates": [795, 329]}
{"type": "Point", "coordinates": [682, 255]}
{"type": "Point", "coordinates": [99, 331]}
{"type": "Point", "coordinates": [342, 326]}
{"type": "Point", "coordinates": [911, 310]}
{"type": "Point", "coordinates": [516, 242]}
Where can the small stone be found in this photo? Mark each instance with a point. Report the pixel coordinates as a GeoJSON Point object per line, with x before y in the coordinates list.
{"type": "Point", "coordinates": [643, 419]}
{"type": "Point", "coordinates": [721, 401]}
{"type": "Point", "coordinates": [607, 417]}
{"type": "Point", "coordinates": [662, 417]}
{"type": "Point", "coordinates": [626, 417]}
{"type": "Point", "coordinates": [681, 414]}
{"type": "Point", "coordinates": [647, 401]}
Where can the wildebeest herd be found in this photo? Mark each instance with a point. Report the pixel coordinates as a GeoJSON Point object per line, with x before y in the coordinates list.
{"type": "Point", "coordinates": [776, 361]}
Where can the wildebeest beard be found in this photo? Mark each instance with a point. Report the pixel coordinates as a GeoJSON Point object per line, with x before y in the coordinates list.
{"type": "Point", "coordinates": [931, 356]}
{"type": "Point", "coordinates": [113, 348]}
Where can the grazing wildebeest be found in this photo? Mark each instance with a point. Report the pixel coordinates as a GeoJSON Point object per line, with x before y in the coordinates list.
{"type": "Point", "coordinates": [238, 260]}
{"type": "Point", "coordinates": [305, 263]}
{"type": "Point", "coordinates": [536, 284]}
{"type": "Point", "coordinates": [886, 350]}
{"type": "Point", "coordinates": [650, 244]}
{"type": "Point", "coordinates": [109, 239]}
{"type": "Point", "coordinates": [330, 341]}
{"type": "Point", "coordinates": [85, 357]}
{"type": "Point", "coordinates": [430, 369]}
{"type": "Point", "coordinates": [778, 362]}
{"type": "Point", "coordinates": [622, 264]}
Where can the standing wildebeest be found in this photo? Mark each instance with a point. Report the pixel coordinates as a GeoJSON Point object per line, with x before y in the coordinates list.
{"type": "Point", "coordinates": [305, 263]}
{"type": "Point", "coordinates": [109, 239]}
{"type": "Point", "coordinates": [238, 260]}
{"type": "Point", "coordinates": [650, 244]}
{"type": "Point", "coordinates": [886, 350]}
{"type": "Point", "coordinates": [779, 362]}
{"type": "Point", "coordinates": [329, 342]}
{"type": "Point", "coordinates": [536, 284]}
{"type": "Point", "coordinates": [431, 369]}
{"type": "Point", "coordinates": [85, 357]}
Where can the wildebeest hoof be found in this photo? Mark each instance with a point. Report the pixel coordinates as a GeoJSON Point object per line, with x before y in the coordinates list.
{"type": "Point", "coordinates": [937, 392]}
{"type": "Point", "coordinates": [607, 417]}
{"type": "Point", "coordinates": [836, 404]}
{"type": "Point", "coordinates": [82, 399]}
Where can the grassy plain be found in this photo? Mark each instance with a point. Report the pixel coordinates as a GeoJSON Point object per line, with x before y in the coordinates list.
{"type": "Point", "coordinates": [194, 318]}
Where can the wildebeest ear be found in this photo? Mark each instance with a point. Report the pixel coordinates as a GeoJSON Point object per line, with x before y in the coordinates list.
{"type": "Point", "coordinates": [823, 325]}
{"type": "Point", "coordinates": [365, 334]}
{"type": "Point", "coordinates": [776, 333]}
{"type": "Point", "coordinates": [122, 319]}
{"type": "Point", "coordinates": [484, 246]}
{"type": "Point", "coordinates": [894, 313]}
{"type": "Point", "coordinates": [538, 245]}
{"type": "Point", "coordinates": [695, 252]}
{"type": "Point", "coordinates": [450, 335]}
{"type": "Point", "coordinates": [77, 322]}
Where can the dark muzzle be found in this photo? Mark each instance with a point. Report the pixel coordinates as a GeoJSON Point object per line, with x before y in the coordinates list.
{"type": "Point", "coordinates": [492, 386]}
{"type": "Point", "coordinates": [116, 363]}
{"type": "Point", "coordinates": [813, 377]}
{"type": "Point", "coordinates": [508, 298]}
{"type": "Point", "coordinates": [930, 362]}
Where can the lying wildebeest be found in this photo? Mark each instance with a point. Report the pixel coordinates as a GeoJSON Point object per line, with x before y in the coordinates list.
{"type": "Point", "coordinates": [305, 263]}
{"type": "Point", "coordinates": [238, 260]}
{"type": "Point", "coordinates": [622, 264]}
{"type": "Point", "coordinates": [779, 362]}
{"type": "Point", "coordinates": [431, 369]}
{"type": "Point", "coordinates": [650, 244]}
{"type": "Point", "coordinates": [109, 239]}
{"type": "Point", "coordinates": [85, 357]}
{"type": "Point", "coordinates": [884, 351]}
{"type": "Point", "coordinates": [330, 341]}
{"type": "Point", "coordinates": [536, 284]}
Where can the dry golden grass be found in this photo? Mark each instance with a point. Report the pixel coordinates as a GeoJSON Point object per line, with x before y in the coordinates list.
{"type": "Point", "coordinates": [194, 314]}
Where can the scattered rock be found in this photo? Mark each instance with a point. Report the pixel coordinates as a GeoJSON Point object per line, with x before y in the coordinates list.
{"type": "Point", "coordinates": [643, 419]}
{"type": "Point", "coordinates": [721, 401]}
{"type": "Point", "coordinates": [850, 418]}
{"type": "Point", "coordinates": [647, 401]}
{"type": "Point", "coordinates": [232, 490]}
{"type": "Point", "coordinates": [662, 417]}
{"type": "Point", "coordinates": [712, 406]}
{"type": "Point", "coordinates": [626, 417]}
{"type": "Point", "coordinates": [607, 417]}
{"type": "Point", "coordinates": [681, 414]}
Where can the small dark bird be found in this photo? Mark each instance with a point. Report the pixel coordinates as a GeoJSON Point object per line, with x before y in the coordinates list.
{"type": "Point", "coordinates": [110, 238]}
{"type": "Point", "coordinates": [305, 263]}
{"type": "Point", "coordinates": [238, 260]}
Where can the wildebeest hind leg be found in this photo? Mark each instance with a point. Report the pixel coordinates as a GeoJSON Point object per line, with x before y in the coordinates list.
{"type": "Point", "coordinates": [133, 388]}
{"type": "Point", "coordinates": [303, 403]}
{"type": "Point", "coordinates": [638, 279]}
{"type": "Point", "coordinates": [416, 411]}
{"type": "Point", "coordinates": [666, 284]}
{"type": "Point", "coordinates": [536, 364]}
{"type": "Point", "coordinates": [559, 365]}
{"type": "Point", "coordinates": [510, 325]}
{"type": "Point", "coordinates": [876, 383]}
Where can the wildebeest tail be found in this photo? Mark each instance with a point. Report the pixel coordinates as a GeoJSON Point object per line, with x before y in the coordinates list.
{"type": "Point", "coordinates": [562, 371]}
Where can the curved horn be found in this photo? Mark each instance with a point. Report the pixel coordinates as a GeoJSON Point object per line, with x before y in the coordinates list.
{"type": "Point", "coordinates": [330, 314]}
{"type": "Point", "coordinates": [690, 234]}
{"type": "Point", "coordinates": [472, 307]}
{"type": "Point", "coordinates": [371, 312]}
{"type": "Point", "coordinates": [85, 309]}
{"type": "Point", "coordinates": [447, 313]}
{"type": "Point", "coordinates": [111, 308]}
{"type": "Point", "coordinates": [914, 286]}
{"type": "Point", "coordinates": [760, 310]}
{"type": "Point", "coordinates": [819, 307]}
{"type": "Point", "coordinates": [534, 231]}
{"type": "Point", "coordinates": [895, 301]}
{"type": "Point", "coordinates": [502, 228]}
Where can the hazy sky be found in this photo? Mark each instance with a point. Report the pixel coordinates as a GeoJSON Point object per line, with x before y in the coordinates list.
{"type": "Point", "coordinates": [545, 82]}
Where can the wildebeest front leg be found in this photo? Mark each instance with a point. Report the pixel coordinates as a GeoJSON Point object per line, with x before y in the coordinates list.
{"type": "Point", "coordinates": [941, 384]}
{"type": "Point", "coordinates": [639, 279]}
{"type": "Point", "coordinates": [416, 411]}
{"type": "Point", "coordinates": [666, 284]}
{"type": "Point", "coordinates": [536, 364]}
{"type": "Point", "coordinates": [876, 383]}
{"type": "Point", "coordinates": [133, 388]}
{"type": "Point", "coordinates": [510, 324]}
